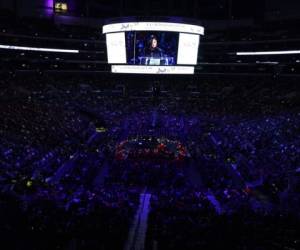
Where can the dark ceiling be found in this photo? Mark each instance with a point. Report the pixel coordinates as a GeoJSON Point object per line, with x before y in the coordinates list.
{"type": "Point", "coordinates": [200, 9]}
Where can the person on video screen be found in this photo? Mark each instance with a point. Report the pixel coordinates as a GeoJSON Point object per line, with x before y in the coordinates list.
{"type": "Point", "coordinates": [153, 49]}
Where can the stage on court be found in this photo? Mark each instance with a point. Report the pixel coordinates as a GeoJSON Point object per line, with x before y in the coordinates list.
{"type": "Point", "coordinates": [151, 148]}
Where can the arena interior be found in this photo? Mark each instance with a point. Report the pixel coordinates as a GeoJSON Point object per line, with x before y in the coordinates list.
{"type": "Point", "coordinates": [167, 155]}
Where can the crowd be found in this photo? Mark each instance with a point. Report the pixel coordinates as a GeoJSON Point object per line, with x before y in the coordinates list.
{"type": "Point", "coordinates": [61, 183]}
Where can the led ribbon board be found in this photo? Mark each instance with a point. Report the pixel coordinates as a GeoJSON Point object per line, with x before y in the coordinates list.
{"type": "Point", "coordinates": [262, 53]}
{"type": "Point", "coordinates": [152, 69]}
{"type": "Point", "coordinates": [153, 26]}
{"type": "Point", "coordinates": [38, 49]}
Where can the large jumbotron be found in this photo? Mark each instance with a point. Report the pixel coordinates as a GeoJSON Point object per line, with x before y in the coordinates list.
{"type": "Point", "coordinates": [152, 47]}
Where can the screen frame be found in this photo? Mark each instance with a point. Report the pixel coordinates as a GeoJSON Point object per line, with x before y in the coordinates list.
{"type": "Point", "coordinates": [153, 26]}
{"type": "Point", "coordinates": [156, 70]}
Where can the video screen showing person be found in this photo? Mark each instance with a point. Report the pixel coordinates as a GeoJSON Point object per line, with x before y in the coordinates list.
{"type": "Point", "coordinates": [151, 48]}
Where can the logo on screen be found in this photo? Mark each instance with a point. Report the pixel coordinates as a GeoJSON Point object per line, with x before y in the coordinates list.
{"type": "Point", "coordinates": [124, 26]}
{"type": "Point", "coordinates": [161, 70]}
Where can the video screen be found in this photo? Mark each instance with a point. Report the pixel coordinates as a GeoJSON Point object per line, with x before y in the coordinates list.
{"type": "Point", "coordinates": [116, 48]}
{"type": "Point", "coordinates": [152, 48]}
{"type": "Point", "coordinates": [188, 49]}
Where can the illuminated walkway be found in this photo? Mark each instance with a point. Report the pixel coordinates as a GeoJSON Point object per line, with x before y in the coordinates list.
{"type": "Point", "coordinates": [213, 200]}
{"type": "Point", "coordinates": [137, 233]}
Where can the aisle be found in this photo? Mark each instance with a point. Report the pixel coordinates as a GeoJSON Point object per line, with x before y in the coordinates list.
{"type": "Point", "coordinates": [102, 174]}
{"type": "Point", "coordinates": [65, 168]}
{"type": "Point", "coordinates": [138, 230]}
{"type": "Point", "coordinates": [193, 175]}
{"type": "Point", "coordinates": [213, 200]}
